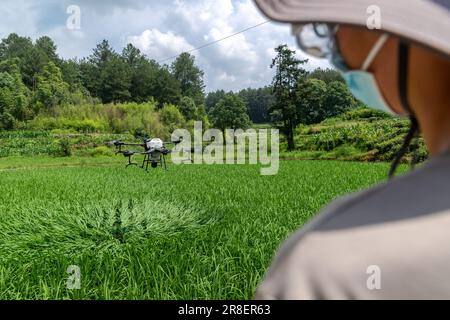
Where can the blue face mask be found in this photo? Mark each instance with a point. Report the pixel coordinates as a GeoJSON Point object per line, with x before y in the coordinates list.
{"type": "Point", "coordinates": [363, 86]}
{"type": "Point", "coordinates": [362, 83]}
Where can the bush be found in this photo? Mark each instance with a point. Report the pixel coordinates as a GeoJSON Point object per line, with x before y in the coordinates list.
{"type": "Point", "coordinates": [76, 125]}
{"type": "Point", "coordinates": [66, 149]}
{"type": "Point", "coordinates": [116, 118]}
{"type": "Point", "coordinates": [172, 118]}
{"type": "Point", "coordinates": [99, 151]}
{"type": "Point", "coordinates": [33, 143]}
{"type": "Point", "coordinates": [365, 113]}
{"type": "Point", "coordinates": [377, 140]}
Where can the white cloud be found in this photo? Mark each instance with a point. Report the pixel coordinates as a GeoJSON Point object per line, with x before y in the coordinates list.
{"type": "Point", "coordinates": [17, 17]}
{"type": "Point", "coordinates": [163, 29]}
{"type": "Point", "coordinates": [159, 45]}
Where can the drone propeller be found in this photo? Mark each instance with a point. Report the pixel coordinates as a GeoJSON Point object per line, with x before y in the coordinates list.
{"type": "Point", "coordinates": [175, 142]}
{"type": "Point", "coordinates": [114, 143]}
{"type": "Point", "coordinates": [129, 153]}
{"type": "Point", "coordinates": [118, 143]}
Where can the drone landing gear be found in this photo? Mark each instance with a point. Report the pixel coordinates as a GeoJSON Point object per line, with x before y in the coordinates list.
{"type": "Point", "coordinates": [163, 161]}
{"type": "Point", "coordinates": [129, 154]}
{"type": "Point", "coordinates": [154, 163]}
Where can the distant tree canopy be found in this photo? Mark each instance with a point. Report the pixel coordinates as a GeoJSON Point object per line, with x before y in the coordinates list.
{"type": "Point", "coordinates": [315, 96]}
{"type": "Point", "coordinates": [258, 102]}
{"type": "Point", "coordinates": [213, 98]}
{"type": "Point", "coordinates": [188, 108]}
{"type": "Point", "coordinates": [229, 113]}
{"type": "Point", "coordinates": [318, 100]}
{"type": "Point", "coordinates": [190, 78]}
{"type": "Point", "coordinates": [34, 80]}
{"type": "Point", "coordinates": [326, 75]}
{"type": "Point", "coordinates": [305, 98]}
{"type": "Point", "coordinates": [31, 57]}
{"type": "Point", "coordinates": [51, 90]}
{"type": "Point", "coordinates": [13, 94]}
{"type": "Point", "coordinates": [288, 73]}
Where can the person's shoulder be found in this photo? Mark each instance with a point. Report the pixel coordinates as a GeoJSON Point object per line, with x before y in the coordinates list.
{"type": "Point", "coordinates": [309, 257]}
{"type": "Point", "coordinates": [413, 194]}
{"type": "Point", "coordinates": [306, 254]}
{"type": "Point", "coordinates": [329, 257]}
{"type": "Point", "coordinates": [329, 216]}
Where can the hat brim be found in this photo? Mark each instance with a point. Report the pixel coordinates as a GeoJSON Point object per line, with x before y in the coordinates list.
{"type": "Point", "coordinates": [422, 21]}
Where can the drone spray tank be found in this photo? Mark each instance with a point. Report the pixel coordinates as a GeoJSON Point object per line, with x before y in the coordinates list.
{"type": "Point", "coordinates": [155, 147]}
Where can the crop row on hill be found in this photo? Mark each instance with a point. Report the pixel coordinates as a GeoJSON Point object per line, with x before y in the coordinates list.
{"type": "Point", "coordinates": [360, 135]}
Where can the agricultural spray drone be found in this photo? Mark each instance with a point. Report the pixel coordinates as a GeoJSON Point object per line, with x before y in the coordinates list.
{"type": "Point", "coordinates": [154, 152]}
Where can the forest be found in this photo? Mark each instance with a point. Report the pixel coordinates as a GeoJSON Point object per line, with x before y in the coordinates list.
{"type": "Point", "coordinates": [126, 91]}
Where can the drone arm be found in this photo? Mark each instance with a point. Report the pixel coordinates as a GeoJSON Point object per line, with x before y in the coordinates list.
{"type": "Point", "coordinates": [134, 144]}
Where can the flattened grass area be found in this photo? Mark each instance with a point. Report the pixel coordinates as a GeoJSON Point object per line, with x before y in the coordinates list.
{"type": "Point", "coordinates": [41, 162]}
{"type": "Point", "coordinates": [193, 232]}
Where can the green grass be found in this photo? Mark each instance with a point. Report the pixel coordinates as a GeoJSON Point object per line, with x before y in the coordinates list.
{"type": "Point", "coordinates": [193, 232]}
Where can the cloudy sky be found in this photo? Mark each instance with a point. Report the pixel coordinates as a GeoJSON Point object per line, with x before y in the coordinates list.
{"type": "Point", "coordinates": [161, 29]}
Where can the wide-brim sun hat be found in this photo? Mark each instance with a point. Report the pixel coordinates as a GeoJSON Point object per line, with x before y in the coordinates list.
{"type": "Point", "coordinates": [426, 22]}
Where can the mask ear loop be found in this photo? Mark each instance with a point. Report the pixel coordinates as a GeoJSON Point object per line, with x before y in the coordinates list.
{"type": "Point", "coordinates": [403, 57]}
{"type": "Point", "coordinates": [374, 51]}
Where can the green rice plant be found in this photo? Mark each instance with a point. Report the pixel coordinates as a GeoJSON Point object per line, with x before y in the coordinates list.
{"type": "Point", "coordinates": [192, 232]}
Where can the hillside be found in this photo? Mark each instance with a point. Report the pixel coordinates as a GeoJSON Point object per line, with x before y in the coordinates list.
{"type": "Point", "coordinates": [358, 135]}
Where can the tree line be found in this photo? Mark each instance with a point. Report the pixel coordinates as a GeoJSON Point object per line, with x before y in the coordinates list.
{"type": "Point", "coordinates": [34, 79]}
{"type": "Point", "coordinates": [295, 96]}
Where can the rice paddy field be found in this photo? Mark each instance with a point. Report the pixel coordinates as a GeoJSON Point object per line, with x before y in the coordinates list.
{"type": "Point", "coordinates": [192, 232]}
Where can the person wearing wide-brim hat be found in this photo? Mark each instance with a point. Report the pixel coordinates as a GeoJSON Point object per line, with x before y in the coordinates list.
{"type": "Point", "coordinates": [392, 241]}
